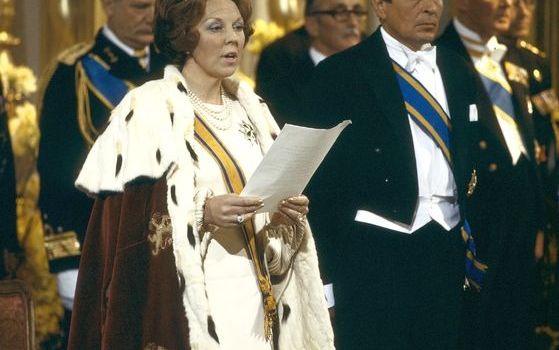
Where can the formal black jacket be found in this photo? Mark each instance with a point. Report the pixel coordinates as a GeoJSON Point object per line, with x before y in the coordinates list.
{"type": "Point", "coordinates": [372, 166]}
{"type": "Point", "coordinates": [284, 69]}
{"type": "Point", "coordinates": [494, 162]}
{"type": "Point", "coordinates": [8, 235]}
{"type": "Point", "coordinates": [63, 148]}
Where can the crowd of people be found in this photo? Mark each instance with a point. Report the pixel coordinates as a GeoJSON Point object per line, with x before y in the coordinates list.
{"type": "Point", "coordinates": [431, 224]}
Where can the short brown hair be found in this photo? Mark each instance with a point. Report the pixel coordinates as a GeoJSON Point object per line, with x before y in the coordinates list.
{"type": "Point", "coordinates": [175, 24]}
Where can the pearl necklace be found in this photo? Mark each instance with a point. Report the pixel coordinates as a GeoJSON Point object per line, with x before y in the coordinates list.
{"type": "Point", "coordinates": [221, 120]}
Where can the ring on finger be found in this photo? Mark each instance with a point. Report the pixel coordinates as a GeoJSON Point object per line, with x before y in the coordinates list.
{"type": "Point", "coordinates": [240, 218]}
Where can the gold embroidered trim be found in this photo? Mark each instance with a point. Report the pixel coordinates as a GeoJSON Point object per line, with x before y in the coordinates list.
{"type": "Point", "coordinates": [62, 245]}
{"type": "Point", "coordinates": [160, 233]}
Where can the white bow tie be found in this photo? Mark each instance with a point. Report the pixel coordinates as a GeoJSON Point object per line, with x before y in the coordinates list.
{"type": "Point", "coordinates": [427, 55]}
{"type": "Point", "coordinates": [495, 50]}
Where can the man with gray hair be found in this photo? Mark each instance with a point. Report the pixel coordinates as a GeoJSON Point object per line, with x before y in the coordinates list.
{"type": "Point", "coordinates": [89, 79]}
{"type": "Point", "coordinates": [392, 194]}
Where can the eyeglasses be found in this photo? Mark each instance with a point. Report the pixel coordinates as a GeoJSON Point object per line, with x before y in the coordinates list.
{"type": "Point", "coordinates": [342, 15]}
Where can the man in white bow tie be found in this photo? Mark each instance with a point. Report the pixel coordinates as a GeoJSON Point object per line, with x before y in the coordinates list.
{"type": "Point", "coordinates": [395, 186]}
{"type": "Point", "coordinates": [508, 206]}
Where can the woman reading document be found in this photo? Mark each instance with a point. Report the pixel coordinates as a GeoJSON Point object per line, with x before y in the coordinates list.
{"type": "Point", "coordinates": [174, 257]}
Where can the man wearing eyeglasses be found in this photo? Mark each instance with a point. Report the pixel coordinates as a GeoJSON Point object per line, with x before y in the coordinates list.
{"type": "Point", "coordinates": [286, 65]}
{"type": "Point", "coordinates": [392, 194]}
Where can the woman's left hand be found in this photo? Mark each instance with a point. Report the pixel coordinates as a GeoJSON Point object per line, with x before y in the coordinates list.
{"type": "Point", "coordinates": [291, 211]}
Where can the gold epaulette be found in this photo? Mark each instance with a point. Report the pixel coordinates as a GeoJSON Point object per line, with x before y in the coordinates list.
{"type": "Point", "coordinates": [527, 46]}
{"type": "Point", "coordinates": [72, 54]}
{"type": "Point", "coordinates": [67, 57]}
{"type": "Point", "coordinates": [62, 245]}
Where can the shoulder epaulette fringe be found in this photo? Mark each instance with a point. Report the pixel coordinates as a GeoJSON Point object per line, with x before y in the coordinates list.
{"type": "Point", "coordinates": [527, 46]}
{"type": "Point", "coordinates": [72, 54]}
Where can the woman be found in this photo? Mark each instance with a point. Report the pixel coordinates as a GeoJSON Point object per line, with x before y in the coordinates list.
{"type": "Point", "coordinates": [173, 257]}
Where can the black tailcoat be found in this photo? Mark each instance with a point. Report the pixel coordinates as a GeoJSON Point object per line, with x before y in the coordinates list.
{"type": "Point", "coordinates": [373, 167]}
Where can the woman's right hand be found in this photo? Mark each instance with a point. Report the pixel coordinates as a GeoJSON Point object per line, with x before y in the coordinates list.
{"type": "Point", "coordinates": [230, 210]}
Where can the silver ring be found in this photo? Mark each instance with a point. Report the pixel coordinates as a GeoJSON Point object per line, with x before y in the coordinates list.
{"type": "Point", "coordinates": [240, 218]}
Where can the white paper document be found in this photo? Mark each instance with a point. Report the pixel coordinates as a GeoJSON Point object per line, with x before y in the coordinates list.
{"type": "Point", "coordinates": [290, 163]}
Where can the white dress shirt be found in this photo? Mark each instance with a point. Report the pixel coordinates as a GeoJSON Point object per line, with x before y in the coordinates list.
{"type": "Point", "coordinates": [437, 198]}
{"type": "Point", "coordinates": [316, 56]}
{"type": "Point", "coordinates": [481, 54]}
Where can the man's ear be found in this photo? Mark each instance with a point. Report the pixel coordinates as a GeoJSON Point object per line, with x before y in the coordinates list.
{"type": "Point", "coordinates": [108, 6]}
{"type": "Point", "coordinates": [312, 26]}
{"type": "Point", "coordinates": [379, 7]}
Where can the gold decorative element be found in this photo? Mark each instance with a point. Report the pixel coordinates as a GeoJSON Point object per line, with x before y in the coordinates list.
{"type": "Point", "coordinates": [7, 13]}
{"type": "Point", "coordinates": [472, 183]}
{"type": "Point", "coordinates": [286, 13]}
{"type": "Point", "coordinates": [72, 54]}
{"type": "Point", "coordinates": [19, 83]}
{"type": "Point", "coordinates": [537, 75]}
{"type": "Point", "coordinates": [516, 73]}
{"type": "Point", "coordinates": [526, 45]}
{"type": "Point", "coordinates": [160, 233]}
{"type": "Point", "coordinates": [62, 245]}
{"type": "Point", "coordinates": [110, 54]}
{"type": "Point", "coordinates": [83, 87]}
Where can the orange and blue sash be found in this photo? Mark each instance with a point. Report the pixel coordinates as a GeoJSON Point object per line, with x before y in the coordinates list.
{"type": "Point", "coordinates": [475, 269]}
{"type": "Point", "coordinates": [424, 110]}
{"type": "Point", "coordinates": [235, 181]}
{"type": "Point", "coordinates": [428, 114]}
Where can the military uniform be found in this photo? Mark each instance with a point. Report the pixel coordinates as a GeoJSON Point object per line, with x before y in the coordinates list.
{"type": "Point", "coordinates": [544, 101]}
{"type": "Point", "coordinates": [534, 70]}
{"type": "Point", "coordinates": [507, 208]}
{"type": "Point", "coordinates": [88, 81]}
{"type": "Point", "coordinates": [8, 235]}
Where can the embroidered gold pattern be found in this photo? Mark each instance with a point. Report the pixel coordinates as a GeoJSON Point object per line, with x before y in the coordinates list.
{"type": "Point", "coordinates": [516, 73]}
{"type": "Point", "coordinates": [160, 233]}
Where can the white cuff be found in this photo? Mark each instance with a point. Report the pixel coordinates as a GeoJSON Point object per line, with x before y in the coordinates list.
{"type": "Point", "coordinates": [329, 295]}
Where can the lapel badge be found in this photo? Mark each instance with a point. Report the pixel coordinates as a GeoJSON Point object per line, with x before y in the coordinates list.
{"type": "Point", "coordinates": [472, 184]}
{"type": "Point", "coordinates": [516, 73]}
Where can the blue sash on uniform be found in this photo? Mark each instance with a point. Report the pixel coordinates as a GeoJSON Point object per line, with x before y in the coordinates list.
{"type": "Point", "coordinates": [499, 95]}
{"type": "Point", "coordinates": [425, 111]}
{"type": "Point", "coordinates": [111, 88]}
